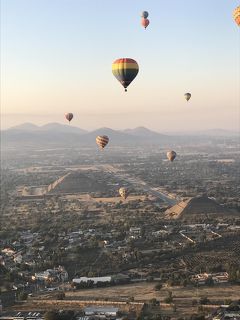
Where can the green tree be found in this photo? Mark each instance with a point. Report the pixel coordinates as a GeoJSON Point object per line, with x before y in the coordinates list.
{"type": "Point", "coordinates": [158, 286]}
{"type": "Point", "coordinates": [60, 296]}
{"type": "Point", "coordinates": [169, 298]}
{"type": "Point", "coordinates": [51, 315]}
{"type": "Point", "coordinates": [209, 282]}
{"type": "Point", "coordinates": [22, 296]}
{"type": "Point", "coordinates": [204, 300]}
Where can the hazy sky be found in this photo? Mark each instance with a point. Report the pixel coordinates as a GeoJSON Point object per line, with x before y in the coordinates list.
{"type": "Point", "coordinates": [56, 57]}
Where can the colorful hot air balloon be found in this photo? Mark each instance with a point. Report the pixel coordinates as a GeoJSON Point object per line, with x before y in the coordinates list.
{"type": "Point", "coordinates": [236, 15]}
{"type": "Point", "coordinates": [144, 14]}
{"type": "Point", "coordinates": [69, 116]}
{"type": "Point", "coordinates": [123, 193]}
{"type": "Point", "coordinates": [171, 155]}
{"type": "Point", "coordinates": [125, 70]}
{"type": "Point", "coordinates": [187, 96]}
{"type": "Point", "coordinates": [145, 22]}
{"type": "Point", "coordinates": [102, 141]}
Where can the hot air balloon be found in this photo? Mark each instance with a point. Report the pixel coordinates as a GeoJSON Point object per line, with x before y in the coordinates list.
{"type": "Point", "coordinates": [69, 116]}
{"type": "Point", "coordinates": [145, 22]}
{"type": "Point", "coordinates": [144, 14]}
{"type": "Point", "coordinates": [102, 141]}
{"type": "Point", "coordinates": [123, 193]}
{"type": "Point", "coordinates": [125, 70]}
{"type": "Point", "coordinates": [187, 96]}
{"type": "Point", "coordinates": [171, 155]}
{"type": "Point", "coordinates": [236, 15]}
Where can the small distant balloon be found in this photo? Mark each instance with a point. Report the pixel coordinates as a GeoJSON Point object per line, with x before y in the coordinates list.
{"type": "Point", "coordinates": [123, 193]}
{"type": "Point", "coordinates": [69, 116]}
{"type": "Point", "coordinates": [125, 70]}
{"type": "Point", "coordinates": [144, 14]}
{"type": "Point", "coordinates": [171, 155]}
{"type": "Point", "coordinates": [102, 141]}
{"type": "Point", "coordinates": [145, 22]}
{"type": "Point", "coordinates": [236, 15]}
{"type": "Point", "coordinates": [187, 96]}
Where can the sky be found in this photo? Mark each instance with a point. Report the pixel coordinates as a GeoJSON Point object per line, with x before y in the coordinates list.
{"type": "Point", "coordinates": [56, 57]}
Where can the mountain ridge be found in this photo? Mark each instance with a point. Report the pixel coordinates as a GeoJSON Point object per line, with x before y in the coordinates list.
{"type": "Point", "coordinates": [66, 134]}
{"type": "Point", "coordinates": [138, 131]}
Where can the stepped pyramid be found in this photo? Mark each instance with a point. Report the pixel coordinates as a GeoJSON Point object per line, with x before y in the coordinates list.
{"type": "Point", "coordinates": [200, 205]}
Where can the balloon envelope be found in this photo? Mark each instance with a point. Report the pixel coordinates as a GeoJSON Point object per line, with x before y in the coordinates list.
{"type": "Point", "coordinates": [125, 70]}
{"type": "Point", "coordinates": [69, 116]}
{"type": "Point", "coordinates": [144, 14]}
{"type": "Point", "coordinates": [171, 155]}
{"type": "Point", "coordinates": [102, 141]}
{"type": "Point", "coordinates": [236, 15]}
{"type": "Point", "coordinates": [123, 193]}
{"type": "Point", "coordinates": [145, 22]}
{"type": "Point", "coordinates": [187, 96]}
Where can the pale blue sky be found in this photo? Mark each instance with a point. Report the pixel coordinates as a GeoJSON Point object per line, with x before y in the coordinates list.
{"type": "Point", "coordinates": [57, 56]}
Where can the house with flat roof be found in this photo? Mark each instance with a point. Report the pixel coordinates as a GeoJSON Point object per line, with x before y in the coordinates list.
{"type": "Point", "coordinates": [101, 310]}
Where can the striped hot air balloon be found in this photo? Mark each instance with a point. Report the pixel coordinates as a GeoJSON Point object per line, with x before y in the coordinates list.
{"type": "Point", "coordinates": [236, 15]}
{"type": "Point", "coordinates": [125, 70]}
{"type": "Point", "coordinates": [171, 155]}
{"type": "Point", "coordinates": [102, 141]}
{"type": "Point", "coordinates": [69, 116]}
{"type": "Point", "coordinates": [123, 193]}
{"type": "Point", "coordinates": [145, 22]}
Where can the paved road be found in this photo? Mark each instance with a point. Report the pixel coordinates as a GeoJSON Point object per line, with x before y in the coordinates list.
{"type": "Point", "coordinates": [140, 184]}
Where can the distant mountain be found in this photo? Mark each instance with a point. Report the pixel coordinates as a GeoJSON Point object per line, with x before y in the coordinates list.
{"type": "Point", "coordinates": [57, 127]}
{"type": "Point", "coordinates": [218, 133]}
{"type": "Point", "coordinates": [209, 133]}
{"type": "Point", "coordinates": [61, 135]}
{"type": "Point", "coordinates": [24, 127]}
{"type": "Point", "coordinates": [114, 135]}
{"type": "Point", "coordinates": [139, 135]}
{"type": "Point", "coordinates": [143, 132]}
{"type": "Point", "coordinates": [62, 128]}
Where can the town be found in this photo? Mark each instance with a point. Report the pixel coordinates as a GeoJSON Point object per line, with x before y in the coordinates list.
{"type": "Point", "coordinates": [66, 233]}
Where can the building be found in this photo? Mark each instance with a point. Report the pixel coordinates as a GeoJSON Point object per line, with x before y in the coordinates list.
{"type": "Point", "coordinates": [94, 279]}
{"type": "Point", "coordinates": [33, 315]}
{"type": "Point", "coordinates": [101, 311]}
{"type": "Point", "coordinates": [220, 277]}
{"type": "Point", "coordinates": [56, 274]}
{"type": "Point", "coordinates": [135, 230]}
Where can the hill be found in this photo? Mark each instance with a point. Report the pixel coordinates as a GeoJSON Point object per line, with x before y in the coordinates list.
{"type": "Point", "coordinates": [58, 134]}
{"type": "Point", "coordinates": [61, 135]}
{"type": "Point", "coordinates": [143, 132]}
{"type": "Point", "coordinates": [53, 126]}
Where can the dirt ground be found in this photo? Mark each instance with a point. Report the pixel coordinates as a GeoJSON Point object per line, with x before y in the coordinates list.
{"type": "Point", "coordinates": [146, 291]}
{"type": "Point", "coordinates": [182, 297]}
{"type": "Point", "coordinates": [118, 199]}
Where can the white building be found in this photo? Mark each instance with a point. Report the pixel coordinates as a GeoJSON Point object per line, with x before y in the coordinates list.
{"type": "Point", "coordinates": [18, 258]}
{"type": "Point", "coordinates": [100, 311]}
{"type": "Point", "coordinates": [94, 279]}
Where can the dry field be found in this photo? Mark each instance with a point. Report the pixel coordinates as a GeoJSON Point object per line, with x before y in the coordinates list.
{"type": "Point", "coordinates": [146, 291]}
{"type": "Point", "coordinates": [118, 199]}
{"type": "Point", "coordinates": [182, 297]}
